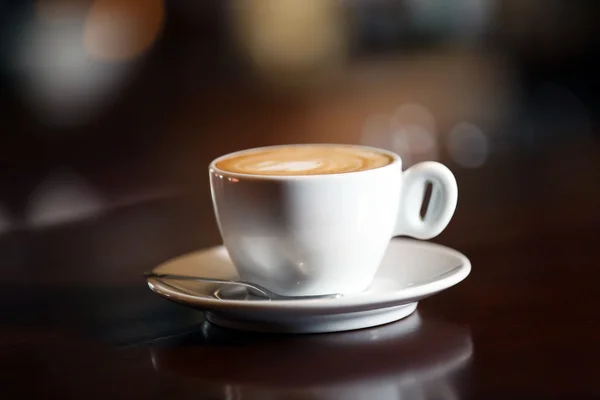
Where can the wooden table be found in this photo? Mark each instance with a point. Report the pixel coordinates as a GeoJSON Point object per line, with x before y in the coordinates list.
{"type": "Point", "coordinates": [79, 321]}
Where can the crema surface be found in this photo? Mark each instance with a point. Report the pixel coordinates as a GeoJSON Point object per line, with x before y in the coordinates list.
{"type": "Point", "coordinates": [304, 160]}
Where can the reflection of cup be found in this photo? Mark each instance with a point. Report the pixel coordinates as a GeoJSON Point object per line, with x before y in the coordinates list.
{"type": "Point", "coordinates": [412, 359]}
{"type": "Point", "coordinates": [315, 231]}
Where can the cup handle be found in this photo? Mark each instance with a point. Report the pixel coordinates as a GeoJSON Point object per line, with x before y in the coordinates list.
{"type": "Point", "coordinates": [442, 203]}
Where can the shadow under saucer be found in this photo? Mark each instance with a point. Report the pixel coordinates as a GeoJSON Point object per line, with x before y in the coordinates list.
{"type": "Point", "coordinates": [413, 358]}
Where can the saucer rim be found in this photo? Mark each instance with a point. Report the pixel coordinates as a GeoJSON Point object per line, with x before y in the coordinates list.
{"type": "Point", "coordinates": [349, 303]}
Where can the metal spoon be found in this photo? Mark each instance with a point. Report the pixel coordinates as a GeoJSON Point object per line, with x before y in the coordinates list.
{"type": "Point", "coordinates": [264, 292]}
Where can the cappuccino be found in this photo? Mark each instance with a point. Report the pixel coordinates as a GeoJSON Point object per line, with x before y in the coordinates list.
{"type": "Point", "coordinates": [296, 220]}
{"type": "Point", "coordinates": [304, 160]}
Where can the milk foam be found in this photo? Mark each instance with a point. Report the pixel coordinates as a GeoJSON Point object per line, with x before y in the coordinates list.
{"type": "Point", "coordinates": [304, 160]}
{"type": "Point", "coordinates": [288, 165]}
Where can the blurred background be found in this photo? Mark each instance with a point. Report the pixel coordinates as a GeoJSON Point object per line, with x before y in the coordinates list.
{"type": "Point", "coordinates": [111, 110]}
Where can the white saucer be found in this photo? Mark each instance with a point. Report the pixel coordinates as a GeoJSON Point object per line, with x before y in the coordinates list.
{"type": "Point", "coordinates": [411, 271]}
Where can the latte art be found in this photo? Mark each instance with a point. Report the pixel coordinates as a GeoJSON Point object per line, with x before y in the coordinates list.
{"type": "Point", "coordinates": [304, 160]}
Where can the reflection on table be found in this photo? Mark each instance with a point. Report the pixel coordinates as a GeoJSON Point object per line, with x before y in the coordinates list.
{"type": "Point", "coordinates": [413, 358]}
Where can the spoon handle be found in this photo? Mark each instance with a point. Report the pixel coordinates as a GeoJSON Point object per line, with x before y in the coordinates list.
{"type": "Point", "coordinates": [264, 292]}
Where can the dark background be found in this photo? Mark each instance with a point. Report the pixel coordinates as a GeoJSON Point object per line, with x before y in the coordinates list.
{"type": "Point", "coordinates": [110, 112]}
{"type": "Point", "coordinates": [107, 104]}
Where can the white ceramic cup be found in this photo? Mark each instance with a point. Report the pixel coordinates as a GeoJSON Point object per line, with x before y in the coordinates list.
{"type": "Point", "coordinates": [322, 234]}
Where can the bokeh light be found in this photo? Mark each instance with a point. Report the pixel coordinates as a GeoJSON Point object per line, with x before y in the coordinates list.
{"type": "Point", "coordinates": [409, 132]}
{"type": "Point", "coordinates": [57, 78]}
{"type": "Point", "coordinates": [73, 56]}
{"type": "Point", "coordinates": [59, 81]}
{"type": "Point", "coordinates": [121, 30]}
{"type": "Point", "coordinates": [468, 145]}
{"type": "Point", "coordinates": [414, 133]}
{"type": "Point", "coordinates": [411, 140]}
{"type": "Point", "coordinates": [63, 197]}
{"type": "Point", "coordinates": [287, 40]}
{"type": "Point", "coordinates": [414, 113]}
{"type": "Point", "coordinates": [376, 131]}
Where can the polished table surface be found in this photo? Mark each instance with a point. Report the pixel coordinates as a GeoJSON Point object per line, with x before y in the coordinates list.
{"type": "Point", "coordinates": [79, 321]}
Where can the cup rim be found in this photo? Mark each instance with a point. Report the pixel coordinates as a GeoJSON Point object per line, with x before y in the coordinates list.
{"type": "Point", "coordinates": [396, 159]}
